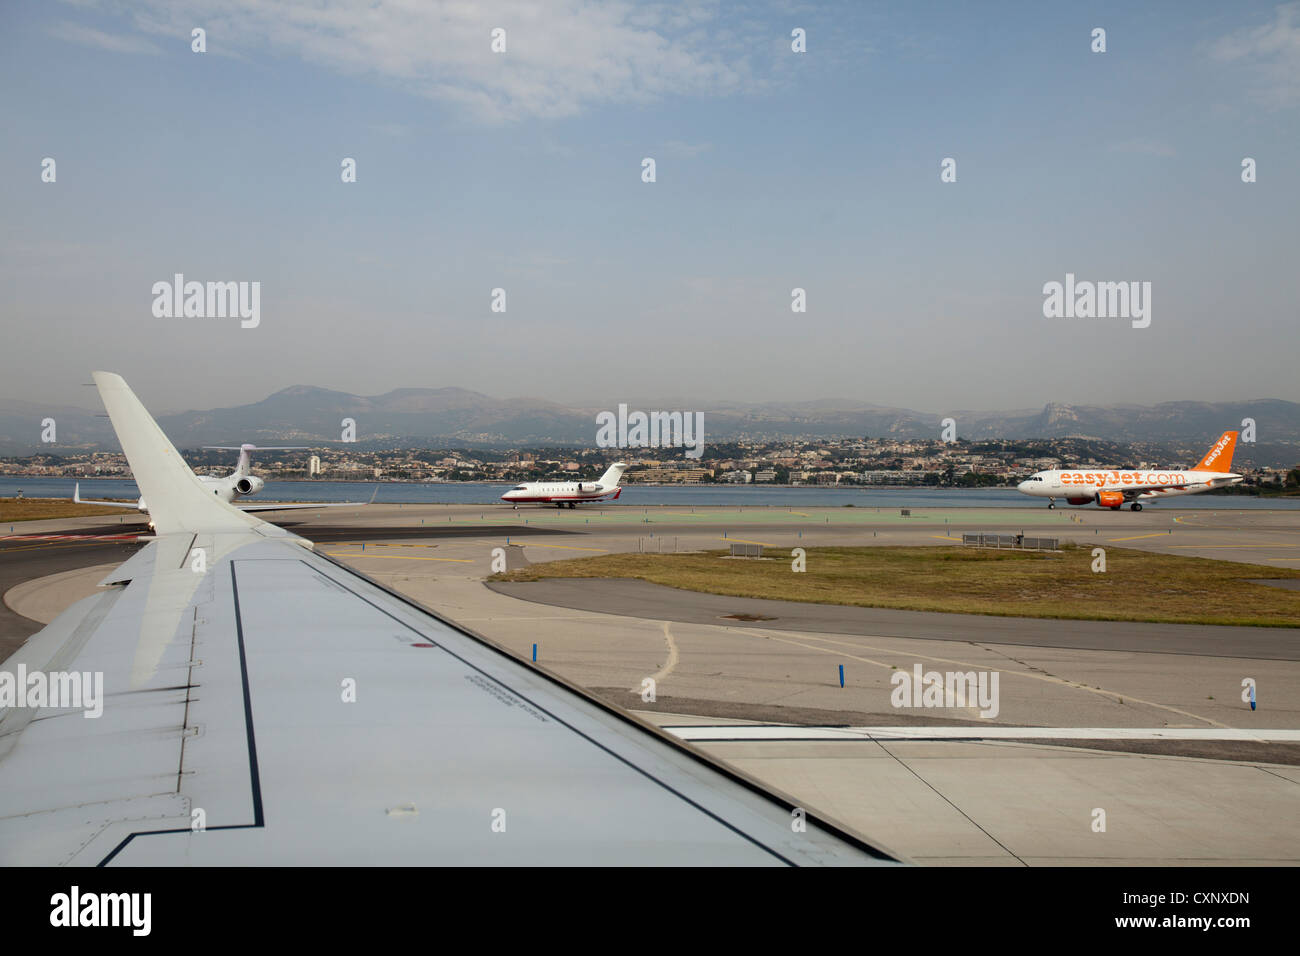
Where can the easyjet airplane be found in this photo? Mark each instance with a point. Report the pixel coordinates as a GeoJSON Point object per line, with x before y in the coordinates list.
{"type": "Point", "coordinates": [1111, 489]}
{"type": "Point", "coordinates": [561, 493]}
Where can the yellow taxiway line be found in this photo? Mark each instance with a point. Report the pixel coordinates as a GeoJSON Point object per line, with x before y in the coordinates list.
{"type": "Point", "coordinates": [394, 557]}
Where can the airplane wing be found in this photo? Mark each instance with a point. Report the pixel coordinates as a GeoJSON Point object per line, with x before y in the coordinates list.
{"type": "Point", "coordinates": [271, 506]}
{"type": "Point", "coordinates": [100, 502]}
{"type": "Point", "coordinates": [262, 704]}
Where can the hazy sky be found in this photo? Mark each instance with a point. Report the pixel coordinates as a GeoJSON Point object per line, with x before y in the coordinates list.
{"type": "Point", "coordinates": [522, 170]}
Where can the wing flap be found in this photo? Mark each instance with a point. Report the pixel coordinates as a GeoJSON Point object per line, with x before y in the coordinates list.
{"type": "Point", "coordinates": [445, 736]}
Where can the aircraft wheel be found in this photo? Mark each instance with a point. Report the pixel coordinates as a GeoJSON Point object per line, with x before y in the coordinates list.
{"type": "Point", "coordinates": [1135, 507]}
{"type": "Point", "coordinates": [1051, 504]}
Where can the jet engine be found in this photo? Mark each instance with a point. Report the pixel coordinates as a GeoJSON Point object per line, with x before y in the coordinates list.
{"type": "Point", "coordinates": [588, 487]}
{"type": "Point", "coordinates": [1110, 499]}
{"type": "Point", "coordinates": [249, 485]}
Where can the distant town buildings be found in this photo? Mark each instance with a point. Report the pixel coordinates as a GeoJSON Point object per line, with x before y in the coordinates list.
{"type": "Point", "coordinates": [840, 462]}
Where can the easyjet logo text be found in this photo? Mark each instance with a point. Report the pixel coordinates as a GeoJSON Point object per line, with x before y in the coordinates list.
{"type": "Point", "coordinates": [1101, 479]}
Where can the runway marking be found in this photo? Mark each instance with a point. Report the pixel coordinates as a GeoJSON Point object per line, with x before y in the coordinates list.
{"type": "Point", "coordinates": [945, 537]}
{"type": "Point", "coordinates": [1136, 537]}
{"type": "Point", "coordinates": [60, 544]}
{"type": "Point", "coordinates": [564, 547]}
{"type": "Point", "coordinates": [777, 732]}
{"type": "Point", "coordinates": [394, 557]}
{"type": "Point", "coordinates": [945, 660]}
{"type": "Point", "coordinates": [378, 544]}
{"type": "Point", "coordinates": [1262, 545]}
{"type": "Point", "coordinates": [70, 537]}
{"type": "Point", "coordinates": [766, 544]}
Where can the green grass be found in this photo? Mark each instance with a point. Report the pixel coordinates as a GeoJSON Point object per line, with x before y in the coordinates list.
{"type": "Point", "coordinates": [35, 509]}
{"type": "Point", "coordinates": [1137, 585]}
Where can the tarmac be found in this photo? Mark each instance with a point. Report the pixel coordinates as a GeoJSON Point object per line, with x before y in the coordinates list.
{"type": "Point", "coordinates": [1191, 774]}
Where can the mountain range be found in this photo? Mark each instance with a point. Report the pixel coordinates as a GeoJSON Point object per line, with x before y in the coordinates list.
{"type": "Point", "coordinates": [440, 417]}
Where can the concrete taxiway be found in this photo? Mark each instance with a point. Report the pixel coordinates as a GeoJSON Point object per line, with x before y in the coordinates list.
{"type": "Point", "coordinates": [1191, 774]}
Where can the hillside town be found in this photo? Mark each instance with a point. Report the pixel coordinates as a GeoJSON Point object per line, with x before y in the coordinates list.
{"type": "Point", "coordinates": [850, 462]}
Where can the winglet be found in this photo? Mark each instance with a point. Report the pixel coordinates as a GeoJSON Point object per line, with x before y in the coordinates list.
{"type": "Point", "coordinates": [178, 501]}
{"type": "Point", "coordinates": [1219, 458]}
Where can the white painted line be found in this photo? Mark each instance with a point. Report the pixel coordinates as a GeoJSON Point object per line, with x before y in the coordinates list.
{"type": "Point", "coordinates": [777, 732]}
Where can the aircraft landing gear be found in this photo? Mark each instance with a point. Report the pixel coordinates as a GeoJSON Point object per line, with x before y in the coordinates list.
{"type": "Point", "coordinates": [1135, 507]}
{"type": "Point", "coordinates": [1051, 504]}
{"type": "Point", "coordinates": [572, 505]}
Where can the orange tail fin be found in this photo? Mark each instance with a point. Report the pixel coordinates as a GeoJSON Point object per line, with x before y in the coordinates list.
{"type": "Point", "coordinates": [1219, 458]}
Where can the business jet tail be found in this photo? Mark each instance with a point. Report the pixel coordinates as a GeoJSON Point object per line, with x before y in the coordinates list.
{"type": "Point", "coordinates": [611, 478]}
{"type": "Point", "coordinates": [245, 462]}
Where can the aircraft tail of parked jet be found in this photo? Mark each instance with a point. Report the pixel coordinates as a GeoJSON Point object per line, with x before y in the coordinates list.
{"type": "Point", "coordinates": [613, 474]}
{"type": "Point", "coordinates": [1219, 457]}
{"type": "Point", "coordinates": [244, 467]}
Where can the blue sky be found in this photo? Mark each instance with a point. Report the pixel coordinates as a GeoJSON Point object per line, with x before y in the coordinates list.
{"type": "Point", "coordinates": [774, 170]}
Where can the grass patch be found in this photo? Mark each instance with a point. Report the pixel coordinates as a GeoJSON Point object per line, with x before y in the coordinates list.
{"type": "Point", "coordinates": [1137, 585]}
{"type": "Point", "coordinates": [35, 509]}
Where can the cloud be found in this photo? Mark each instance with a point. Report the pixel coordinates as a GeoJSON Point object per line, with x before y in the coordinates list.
{"type": "Point", "coordinates": [89, 36]}
{"type": "Point", "coordinates": [562, 56]}
{"type": "Point", "coordinates": [1272, 51]}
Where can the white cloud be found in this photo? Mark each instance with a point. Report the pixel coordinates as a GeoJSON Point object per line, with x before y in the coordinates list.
{"type": "Point", "coordinates": [88, 36]}
{"type": "Point", "coordinates": [562, 57]}
{"type": "Point", "coordinates": [1272, 51]}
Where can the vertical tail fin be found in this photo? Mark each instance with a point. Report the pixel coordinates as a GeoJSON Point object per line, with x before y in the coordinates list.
{"type": "Point", "coordinates": [1219, 457]}
{"type": "Point", "coordinates": [611, 477]}
{"type": "Point", "coordinates": [244, 468]}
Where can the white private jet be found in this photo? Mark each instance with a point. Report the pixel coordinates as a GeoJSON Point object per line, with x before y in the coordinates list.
{"type": "Point", "coordinates": [561, 493]}
{"type": "Point", "coordinates": [229, 488]}
{"type": "Point", "coordinates": [1111, 489]}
